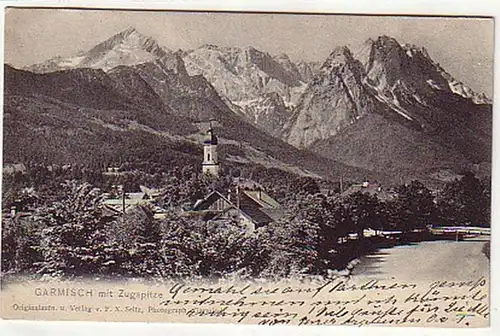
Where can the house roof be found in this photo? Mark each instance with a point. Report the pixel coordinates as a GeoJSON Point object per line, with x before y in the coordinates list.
{"type": "Point", "coordinates": [371, 189]}
{"type": "Point", "coordinates": [247, 206]}
{"type": "Point", "coordinates": [205, 203]}
{"type": "Point", "coordinates": [256, 215]}
{"type": "Point", "coordinates": [251, 208]}
{"type": "Point", "coordinates": [262, 198]}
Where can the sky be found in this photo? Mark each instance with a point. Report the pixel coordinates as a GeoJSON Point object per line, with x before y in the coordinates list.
{"type": "Point", "coordinates": [463, 46]}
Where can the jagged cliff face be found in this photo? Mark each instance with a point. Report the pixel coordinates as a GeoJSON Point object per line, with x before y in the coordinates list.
{"type": "Point", "coordinates": [268, 111]}
{"type": "Point", "coordinates": [244, 74]}
{"type": "Point", "coordinates": [308, 70]}
{"type": "Point", "coordinates": [381, 76]}
{"type": "Point", "coordinates": [333, 99]}
{"type": "Point", "coordinates": [262, 87]}
{"type": "Point", "coordinates": [386, 95]}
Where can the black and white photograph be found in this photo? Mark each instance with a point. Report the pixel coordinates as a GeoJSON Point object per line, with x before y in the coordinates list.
{"type": "Point", "coordinates": [153, 147]}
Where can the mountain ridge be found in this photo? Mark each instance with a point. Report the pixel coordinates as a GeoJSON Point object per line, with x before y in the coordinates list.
{"type": "Point", "coordinates": [309, 105]}
{"type": "Point", "coordinates": [405, 87]}
{"type": "Point", "coordinates": [157, 108]}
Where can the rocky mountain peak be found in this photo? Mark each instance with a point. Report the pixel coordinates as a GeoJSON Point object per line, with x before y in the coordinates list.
{"type": "Point", "coordinates": [339, 57]}
{"type": "Point", "coordinates": [126, 44]}
{"type": "Point", "coordinates": [387, 42]}
{"type": "Point", "coordinates": [129, 31]}
{"type": "Point", "coordinates": [252, 50]}
{"type": "Point", "coordinates": [128, 47]}
{"type": "Point", "coordinates": [412, 50]}
{"type": "Point", "coordinates": [335, 98]}
{"type": "Point", "coordinates": [389, 64]}
{"type": "Point", "coordinates": [255, 56]}
{"type": "Point", "coordinates": [210, 46]}
{"type": "Point", "coordinates": [363, 52]}
{"type": "Point", "coordinates": [341, 53]}
{"type": "Point", "coordinates": [130, 36]}
{"type": "Point", "coordinates": [283, 57]}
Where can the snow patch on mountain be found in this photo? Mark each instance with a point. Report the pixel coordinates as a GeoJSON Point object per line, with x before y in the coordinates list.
{"type": "Point", "coordinates": [126, 48]}
{"type": "Point", "coordinates": [243, 73]}
{"type": "Point", "coordinates": [260, 86]}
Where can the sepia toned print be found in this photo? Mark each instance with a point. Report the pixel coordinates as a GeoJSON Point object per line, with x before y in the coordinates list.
{"type": "Point", "coordinates": [264, 168]}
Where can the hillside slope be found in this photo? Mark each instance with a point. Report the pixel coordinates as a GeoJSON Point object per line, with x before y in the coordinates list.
{"type": "Point", "coordinates": [144, 113]}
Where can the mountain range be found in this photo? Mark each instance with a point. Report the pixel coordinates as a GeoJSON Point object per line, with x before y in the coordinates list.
{"type": "Point", "coordinates": [130, 100]}
{"type": "Point", "coordinates": [382, 111]}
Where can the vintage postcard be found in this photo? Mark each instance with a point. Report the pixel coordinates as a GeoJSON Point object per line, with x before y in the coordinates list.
{"type": "Point", "coordinates": [246, 168]}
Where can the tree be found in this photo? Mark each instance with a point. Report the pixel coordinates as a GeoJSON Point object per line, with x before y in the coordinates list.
{"type": "Point", "coordinates": [331, 219]}
{"type": "Point", "coordinates": [292, 247]}
{"type": "Point", "coordinates": [192, 247]}
{"type": "Point", "coordinates": [466, 201]}
{"type": "Point", "coordinates": [143, 243]}
{"type": "Point", "coordinates": [74, 242]}
{"type": "Point", "coordinates": [19, 236]}
{"type": "Point", "coordinates": [413, 207]}
{"type": "Point", "coordinates": [364, 210]}
{"type": "Point", "coordinates": [304, 185]}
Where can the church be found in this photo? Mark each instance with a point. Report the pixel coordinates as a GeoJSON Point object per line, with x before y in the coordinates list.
{"type": "Point", "coordinates": [248, 203]}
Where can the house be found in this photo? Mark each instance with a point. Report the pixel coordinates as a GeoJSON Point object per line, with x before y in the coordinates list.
{"type": "Point", "coordinates": [252, 200]}
{"type": "Point", "coordinates": [122, 204]}
{"type": "Point", "coordinates": [253, 209]}
{"type": "Point", "coordinates": [117, 202]}
{"type": "Point", "coordinates": [371, 188]}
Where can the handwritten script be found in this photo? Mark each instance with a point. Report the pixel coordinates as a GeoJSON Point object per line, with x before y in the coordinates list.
{"type": "Point", "coordinates": [335, 302]}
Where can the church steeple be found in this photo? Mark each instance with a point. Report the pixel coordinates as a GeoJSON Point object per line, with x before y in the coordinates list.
{"type": "Point", "coordinates": [210, 163]}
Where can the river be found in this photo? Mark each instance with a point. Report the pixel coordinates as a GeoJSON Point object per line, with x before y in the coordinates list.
{"type": "Point", "coordinates": [427, 261]}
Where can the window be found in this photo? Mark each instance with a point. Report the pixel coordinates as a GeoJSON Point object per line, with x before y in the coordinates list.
{"type": "Point", "coordinates": [208, 156]}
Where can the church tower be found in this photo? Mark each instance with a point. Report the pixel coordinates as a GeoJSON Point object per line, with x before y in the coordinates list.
{"type": "Point", "coordinates": [210, 163]}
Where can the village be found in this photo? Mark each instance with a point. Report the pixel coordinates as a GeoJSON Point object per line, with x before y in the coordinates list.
{"type": "Point", "coordinates": [250, 204]}
{"type": "Point", "coordinates": [207, 223]}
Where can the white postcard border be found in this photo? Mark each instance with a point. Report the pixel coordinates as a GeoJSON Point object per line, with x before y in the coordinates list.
{"type": "Point", "coordinates": [416, 7]}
